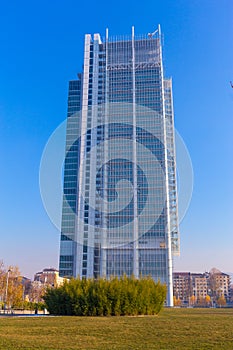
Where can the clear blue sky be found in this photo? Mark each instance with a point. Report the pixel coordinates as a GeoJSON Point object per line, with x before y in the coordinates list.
{"type": "Point", "coordinates": [41, 47]}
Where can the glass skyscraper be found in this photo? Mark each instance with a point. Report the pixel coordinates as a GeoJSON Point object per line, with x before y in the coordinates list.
{"type": "Point", "coordinates": [119, 212]}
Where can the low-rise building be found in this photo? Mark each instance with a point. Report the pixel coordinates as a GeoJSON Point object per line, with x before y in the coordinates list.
{"type": "Point", "coordinates": [182, 286]}
{"type": "Point", "coordinates": [219, 284]}
{"type": "Point", "coordinates": [49, 276]}
{"type": "Point", "coordinates": [201, 288]}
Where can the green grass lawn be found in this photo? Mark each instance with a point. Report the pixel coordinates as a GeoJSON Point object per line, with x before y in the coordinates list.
{"type": "Point", "coordinates": [171, 329]}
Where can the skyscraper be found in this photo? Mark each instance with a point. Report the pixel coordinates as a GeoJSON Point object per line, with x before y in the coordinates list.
{"type": "Point", "coordinates": [119, 211]}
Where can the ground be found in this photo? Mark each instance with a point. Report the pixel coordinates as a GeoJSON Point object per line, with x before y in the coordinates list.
{"type": "Point", "coordinates": [171, 329]}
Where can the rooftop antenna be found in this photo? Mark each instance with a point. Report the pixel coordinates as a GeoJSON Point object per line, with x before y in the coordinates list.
{"type": "Point", "coordinates": [106, 34]}
{"type": "Point", "coordinates": [152, 34]}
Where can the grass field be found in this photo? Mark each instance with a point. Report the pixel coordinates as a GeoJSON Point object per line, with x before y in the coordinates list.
{"type": "Point", "coordinates": [172, 329]}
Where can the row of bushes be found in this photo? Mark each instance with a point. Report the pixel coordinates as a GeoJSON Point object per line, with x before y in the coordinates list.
{"type": "Point", "coordinates": [26, 305]}
{"type": "Point", "coordinates": [89, 297]}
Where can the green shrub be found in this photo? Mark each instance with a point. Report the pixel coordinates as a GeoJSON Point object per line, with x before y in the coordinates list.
{"type": "Point", "coordinates": [117, 296]}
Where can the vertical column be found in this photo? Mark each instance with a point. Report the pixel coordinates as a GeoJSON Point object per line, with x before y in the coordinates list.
{"type": "Point", "coordinates": [135, 233]}
{"type": "Point", "coordinates": [105, 173]}
{"type": "Point", "coordinates": [172, 165]}
{"type": "Point", "coordinates": [168, 233]}
{"type": "Point", "coordinates": [83, 129]}
{"type": "Point", "coordinates": [93, 115]}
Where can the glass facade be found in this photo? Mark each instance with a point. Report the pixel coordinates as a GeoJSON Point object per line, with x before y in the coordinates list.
{"type": "Point", "coordinates": [120, 199]}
